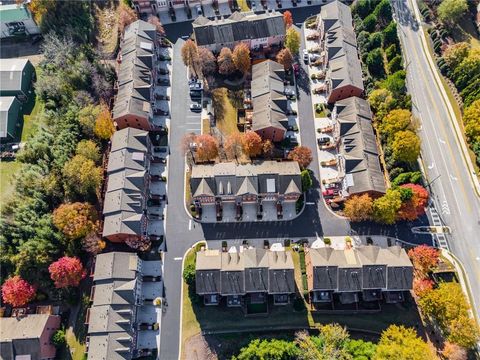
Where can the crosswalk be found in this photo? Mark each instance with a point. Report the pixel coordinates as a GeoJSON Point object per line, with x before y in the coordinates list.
{"type": "Point", "coordinates": [440, 239]}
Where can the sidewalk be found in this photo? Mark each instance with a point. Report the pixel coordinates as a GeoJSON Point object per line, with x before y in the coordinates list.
{"type": "Point", "coordinates": [225, 11]}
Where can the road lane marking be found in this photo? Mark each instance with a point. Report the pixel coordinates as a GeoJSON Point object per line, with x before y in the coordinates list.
{"type": "Point", "coordinates": [445, 208]}
{"type": "Point", "coordinates": [431, 166]}
{"type": "Point", "coordinates": [178, 258]}
{"type": "Point", "coordinates": [442, 141]}
{"type": "Point", "coordinates": [453, 177]}
{"type": "Point", "coordinates": [190, 224]}
{"type": "Point", "coordinates": [310, 203]}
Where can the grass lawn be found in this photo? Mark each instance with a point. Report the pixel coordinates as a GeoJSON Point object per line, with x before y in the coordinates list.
{"type": "Point", "coordinates": [76, 339]}
{"type": "Point", "coordinates": [31, 121]}
{"type": "Point", "coordinates": [225, 112]}
{"type": "Point", "coordinates": [8, 169]}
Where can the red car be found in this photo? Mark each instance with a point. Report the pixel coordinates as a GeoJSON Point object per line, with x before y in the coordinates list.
{"type": "Point", "coordinates": [329, 193]}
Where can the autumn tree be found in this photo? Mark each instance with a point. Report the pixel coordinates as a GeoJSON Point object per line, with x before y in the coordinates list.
{"type": "Point", "coordinates": [17, 292]}
{"type": "Point", "coordinates": [450, 11]}
{"type": "Point", "coordinates": [359, 208]}
{"type": "Point", "coordinates": [104, 128]}
{"type": "Point", "coordinates": [67, 271]}
{"type": "Point", "coordinates": [381, 101]}
{"type": "Point", "coordinates": [234, 145]}
{"type": "Point", "coordinates": [87, 118]}
{"type": "Point", "coordinates": [226, 66]}
{"type": "Point", "coordinates": [424, 258]}
{"type": "Point", "coordinates": [82, 176]}
{"type": "Point", "coordinates": [406, 147]}
{"type": "Point", "coordinates": [89, 149]}
{"type": "Point", "coordinates": [292, 40]}
{"type": "Point", "coordinates": [207, 148]}
{"type": "Point", "coordinates": [126, 16]}
{"type": "Point", "coordinates": [395, 121]}
{"type": "Point", "coordinates": [398, 342]}
{"type": "Point", "coordinates": [287, 19]}
{"type": "Point", "coordinates": [422, 286]}
{"type": "Point", "coordinates": [155, 21]}
{"type": "Point", "coordinates": [414, 207]}
{"type": "Point", "coordinates": [93, 244]}
{"type": "Point", "coordinates": [285, 58]}
{"type": "Point", "coordinates": [385, 208]}
{"type": "Point", "coordinates": [453, 351]}
{"type": "Point", "coordinates": [454, 54]}
{"type": "Point", "coordinates": [241, 57]}
{"type": "Point", "coordinates": [302, 155]}
{"type": "Point", "coordinates": [39, 8]}
{"type": "Point", "coordinates": [190, 55]}
{"type": "Point", "coordinates": [252, 144]}
{"type": "Point", "coordinates": [307, 346]}
{"type": "Point", "coordinates": [463, 331]}
{"type": "Point", "coordinates": [208, 62]}
{"type": "Point", "coordinates": [470, 119]}
{"type": "Point", "coordinates": [75, 220]}
{"type": "Point", "coordinates": [138, 243]}
{"type": "Point", "coordinates": [268, 148]}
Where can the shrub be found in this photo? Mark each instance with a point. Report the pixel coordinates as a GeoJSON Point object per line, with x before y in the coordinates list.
{"type": "Point", "coordinates": [327, 241]}
{"type": "Point", "coordinates": [58, 338]}
{"type": "Point", "coordinates": [189, 274]}
{"type": "Point", "coordinates": [391, 52]}
{"type": "Point", "coordinates": [370, 22]}
{"type": "Point", "coordinates": [375, 40]}
{"type": "Point", "coordinates": [375, 63]}
{"type": "Point", "coordinates": [390, 35]}
{"type": "Point", "coordinates": [396, 172]}
{"type": "Point", "coordinates": [395, 64]}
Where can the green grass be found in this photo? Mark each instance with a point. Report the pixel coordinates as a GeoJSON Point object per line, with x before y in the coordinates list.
{"type": "Point", "coordinates": [8, 169]}
{"type": "Point", "coordinates": [76, 346]}
{"type": "Point", "coordinates": [31, 121]}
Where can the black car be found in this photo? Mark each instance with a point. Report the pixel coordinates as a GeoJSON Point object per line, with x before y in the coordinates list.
{"type": "Point", "coordinates": [163, 82]}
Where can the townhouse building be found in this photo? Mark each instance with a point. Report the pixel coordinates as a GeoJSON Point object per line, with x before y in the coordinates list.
{"type": "Point", "coordinates": [263, 189]}
{"type": "Point", "coordinates": [339, 54]}
{"type": "Point", "coordinates": [258, 31]}
{"type": "Point", "coordinates": [367, 273]}
{"type": "Point", "coordinates": [359, 163]}
{"type": "Point", "coordinates": [121, 320]}
{"type": "Point", "coordinates": [248, 276]}
{"type": "Point", "coordinates": [134, 104]}
{"type": "Point", "coordinates": [269, 118]}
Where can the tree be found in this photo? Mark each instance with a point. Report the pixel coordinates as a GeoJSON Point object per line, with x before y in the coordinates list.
{"type": "Point", "coordinates": [226, 66]}
{"type": "Point", "coordinates": [381, 101]}
{"type": "Point", "coordinates": [307, 181]}
{"type": "Point", "coordinates": [302, 155]}
{"type": "Point", "coordinates": [385, 208]}
{"type": "Point", "coordinates": [234, 145]}
{"type": "Point", "coordinates": [190, 55]}
{"type": "Point", "coordinates": [390, 36]}
{"type": "Point", "coordinates": [292, 40]}
{"type": "Point", "coordinates": [154, 20]}
{"type": "Point", "coordinates": [268, 148]}
{"type": "Point", "coordinates": [285, 58]}
{"type": "Point", "coordinates": [93, 244]}
{"type": "Point", "coordinates": [470, 119]}
{"type": "Point", "coordinates": [398, 342]}
{"type": "Point", "coordinates": [252, 143]}
{"type": "Point", "coordinates": [268, 350]}
{"type": "Point", "coordinates": [17, 292]}
{"type": "Point", "coordinates": [466, 70]}
{"type": "Point", "coordinates": [58, 338]}
{"type": "Point", "coordinates": [208, 62]}
{"type": "Point", "coordinates": [464, 331]}
{"type": "Point", "coordinates": [287, 19]}
{"type": "Point", "coordinates": [369, 23]}
{"type": "Point", "coordinates": [89, 149]}
{"type": "Point", "coordinates": [424, 258]}
{"type": "Point", "coordinates": [395, 83]}
{"type": "Point", "coordinates": [75, 220]}
{"type": "Point", "coordinates": [454, 54]}
{"type": "Point", "coordinates": [126, 16]}
{"type": "Point", "coordinates": [360, 349]}
{"type": "Point", "coordinates": [308, 349]}
{"type": "Point", "coordinates": [450, 11]}
{"type": "Point", "coordinates": [359, 208]}
{"type": "Point", "coordinates": [67, 271]}
{"type": "Point", "coordinates": [39, 8]}
{"type": "Point", "coordinates": [395, 121]}
{"type": "Point", "coordinates": [189, 274]}
{"type": "Point", "coordinates": [406, 147]}
{"type": "Point", "coordinates": [422, 286]}
{"type": "Point", "coordinates": [82, 176]}
{"type": "Point", "coordinates": [375, 63]}
{"type": "Point", "coordinates": [383, 12]}
{"type": "Point", "coordinates": [207, 147]}
{"type": "Point", "coordinates": [87, 118]}
{"type": "Point", "coordinates": [241, 57]}
{"type": "Point", "coordinates": [139, 243]}
{"type": "Point", "coordinates": [415, 206]}
{"type": "Point", "coordinates": [452, 351]}
{"type": "Point", "coordinates": [104, 128]}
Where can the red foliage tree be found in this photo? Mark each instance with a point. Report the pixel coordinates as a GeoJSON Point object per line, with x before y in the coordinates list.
{"type": "Point", "coordinates": [17, 292]}
{"type": "Point", "coordinates": [415, 206]}
{"type": "Point", "coordinates": [67, 271]}
{"type": "Point", "coordinates": [252, 144]}
{"type": "Point", "coordinates": [424, 258]}
{"type": "Point", "coordinates": [287, 19]}
{"type": "Point", "coordinates": [138, 243]}
{"type": "Point", "coordinates": [422, 286]}
{"type": "Point", "coordinates": [301, 154]}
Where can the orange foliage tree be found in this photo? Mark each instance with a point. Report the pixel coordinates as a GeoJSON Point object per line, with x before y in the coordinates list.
{"type": "Point", "coordinates": [422, 286]}
{"type": "Point", "coordinates": [424, 258]}
{"type": "Point", "coordinates": [241, 57]}
{"type": "Point", "coordinates": [453, 351]}
{"type": "Point", "coordinates": [252, 144]}
{"type": "Point", "coordinates": [359, 208]}
{"type": "Point", "coordinates": [285, 58]}
{"type": "Point", "coordinates": [267, 148]}
{"type": "Point", "coordinates": [75, 220]}
{"type": "Point", "coordinates": [207, 147]}
{"type": "Point", "coordinates": [301, 154]}
{"type": "Point", "coordinates": [126, 16]}
{"type": "Point", "coordinates": [234, 145]}
{"type": "Point", "coordinates": [17, 292]}
{"type": "Point", "coordinates": [225, 62]}
{"type": "Point", "coordinates": [154, 20]}
{"type": "Point", "coordinates": [287, 19]}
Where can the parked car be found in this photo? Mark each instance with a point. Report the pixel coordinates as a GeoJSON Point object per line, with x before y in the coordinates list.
{"type": "Point", "coordinates": [162, 97]}
{"type": "Point", "coordinates": [195, 107]}
{"type": "Point", "coordinates": [289, 92]}
{"type": "Point", "coordinates": [163, 71]}
{"type": "Point", "coordinates": [161, 112]}
{"type": "Point", "coordinates": [313, 36]}
{"type": "Point", "coordinates": [291, 112]}
{"type": "Point", "coordinates": [292, 128]}
{"type": "Point", "coordinates": [323, 140]}
{"type": "Point", "coordinates": [331, 186]}
{"type": "Point", "coordinates": [163, 82]}
{"type": "Point", "coordinates": [329, 193]}
{"type": "Point", "coordinates": [305, 56]}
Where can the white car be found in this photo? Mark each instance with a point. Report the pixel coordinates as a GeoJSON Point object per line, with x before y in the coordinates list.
{"type": "Point", "coordinates": [196, 107]}
{"type": "Point", "coordinates": [305, 56]}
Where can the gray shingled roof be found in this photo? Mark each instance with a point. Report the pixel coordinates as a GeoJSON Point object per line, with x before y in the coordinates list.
{"type": "Point", "coordinates": [6, 103]}
{"type": "Point", "coordinates": [344, 66]}
{"type": "Point", "coordinates": [235, 179]}
{"type": "Point", "coordinates": [115, 265]}
{"type": "Point", "coordinates": [135, 71]}
{"type": "Point", "coordinates": [11, 73]}
{"type": "Point", "coordinates": [358, 146]}
{"type": "Point", "coordinates": [268, 98]}
{"type": "Point", "coordinates": [114, 346]}
{"type": "Point", "coordinates": [237, 27]}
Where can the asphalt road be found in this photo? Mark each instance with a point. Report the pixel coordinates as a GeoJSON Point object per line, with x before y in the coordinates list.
{"type": "Point", "coordinates": [451, 185]}
{"type": "Point", "coordinates": [182, 232]}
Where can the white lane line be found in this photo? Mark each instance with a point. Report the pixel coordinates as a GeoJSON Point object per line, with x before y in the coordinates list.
{"type": "Point", "coordinates": [431, 166]}
{"type": "Point", "coordinates": [442, 141]}
{"type": "Point", "coordinates": [178, 258]}
{"type": "Point", "coordinates": [309, 203]}
{"type": "Point", "coordinates": [190, 224]}
{"type": "Point", "coordinates": [453, 177]}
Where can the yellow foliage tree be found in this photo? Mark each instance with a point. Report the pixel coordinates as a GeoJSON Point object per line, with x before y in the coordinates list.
{"type": "Point", "coordinates": [104, 128]}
